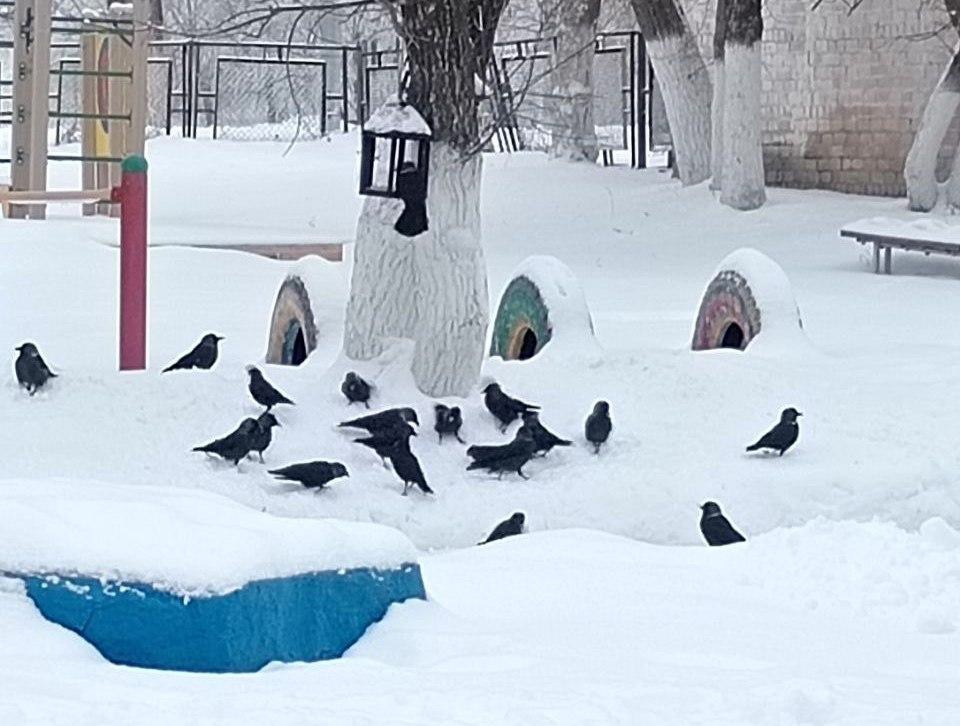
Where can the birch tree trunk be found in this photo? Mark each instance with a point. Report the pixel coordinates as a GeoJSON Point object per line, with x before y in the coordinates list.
{"type": "Point", "coordinates": [919, 171]}
{"type": "Point", "coordinates": [743, 184]}
{"type": "Point", "coordinates": [716, 146]}
{"type": "Point", "coordinates": [684, 83]}
{"type": "Point", "coordinates": [573, 135]}
{"type": "Point", "coordinates": [432, 288]}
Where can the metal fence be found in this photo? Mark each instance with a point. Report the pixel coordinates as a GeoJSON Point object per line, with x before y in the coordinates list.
{"type": "Point", "coordinates": [259, 91]}
{"type": "Point", "coordinates": [623, 91]}
{"type": "Point", "coordinates": [272, 90]}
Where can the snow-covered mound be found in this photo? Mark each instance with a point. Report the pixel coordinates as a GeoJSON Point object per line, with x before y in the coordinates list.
{"type": "Point", "coordinates": [763, 301]}
{"type": "Point", "coordinates": [827, 623]}
{"type": "Point", "coordinates": [543, 294]}
{"type": "Point", "coordinates": [179, 540]}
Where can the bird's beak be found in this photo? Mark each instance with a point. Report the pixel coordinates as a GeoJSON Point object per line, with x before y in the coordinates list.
{"type": "Point", "coordinates": [278, 424]}
{"type": "Point", "coordinates": [346, 473]}
{"type": "Point", "coordinates": [20, 348]}
{"type": "Point", "coordinates": [414, 433]}
{"type": "Point", "coordinates": [799, 414]}
{"type": "Point", "coordinates": [220, 337]}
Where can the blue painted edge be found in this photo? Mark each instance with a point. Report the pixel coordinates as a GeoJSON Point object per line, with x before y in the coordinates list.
{"type": "Point", "coordinates": [307, 617]}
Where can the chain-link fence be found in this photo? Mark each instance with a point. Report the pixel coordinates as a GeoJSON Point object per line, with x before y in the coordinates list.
{"type": "Point", "coordinates": [260, 99]}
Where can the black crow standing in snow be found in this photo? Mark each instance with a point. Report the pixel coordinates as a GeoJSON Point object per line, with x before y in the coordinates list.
{"type": "Point", "coordinates": [264, 393]}
{"type": "Point", "coordinates": [598, 426]}
{"type": "Point", "coordinates": [383, 440]}
{"type": "Point", "coordinates": [508, 457]}
{"type": "Point", "coordinates": [383, 419]}
{"type": "Point", "coordinates": [407, 467]}
{"type": "Point", "coordinates": [542, 437]}
{"type": "Point", "coordinates": [507, 528]}
{"type": "Point", "coordinates": [313, 474]}
{"type": "Point", "coordinates": [448, 422]}
{"type": "Point", "coordinates": [32, 372]}
{"type": "Point", "coordinates": [503, 407]}
{"type": "Point", "coordinates": [261, 438]}
{"type": "Point", "coordinates": [716, 529]}
{"type": "Point", "coordinates": [782, 436]}
{"type": "Point", "coordinates": [204, 355]}
{"type": "Point", "coordinates": [356, 389]}
{"type": "Point", "coordinates": [233, 446]}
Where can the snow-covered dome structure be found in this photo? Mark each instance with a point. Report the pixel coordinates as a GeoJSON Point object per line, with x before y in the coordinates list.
{"type": "Point", "coordinates": [298, 319]}
{"type": "Point", "coordinates": [748, 294]}
{"type": "Point", "coordinates": [542, 300]}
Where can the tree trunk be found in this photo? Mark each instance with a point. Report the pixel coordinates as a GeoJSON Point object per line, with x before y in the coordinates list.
{"type": "Point", "coordinates": [716, 146]}
{"type": "Point", "coordinates": [919, 171]}
{"type": "Point", "coordinates": [573, 135]}
{"type": "Point", "coordinates": [743, 178]}
{"type": "Point", "coordinates": [684, 83]}
{"type": "Point", "coordinates": [432, 288]}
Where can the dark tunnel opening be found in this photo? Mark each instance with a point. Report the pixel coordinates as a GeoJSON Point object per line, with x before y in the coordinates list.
{"type": "Point", "coordinates": [528, 345]}
{"type": "Point", "coordinates": [732, 337]}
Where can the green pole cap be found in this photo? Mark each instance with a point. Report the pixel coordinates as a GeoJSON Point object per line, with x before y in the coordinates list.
{"type": "Point", "coordinates": [134, 162]}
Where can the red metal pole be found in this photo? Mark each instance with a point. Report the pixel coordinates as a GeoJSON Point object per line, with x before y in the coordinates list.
{"type": "Point", "coordinates": [132, 195]}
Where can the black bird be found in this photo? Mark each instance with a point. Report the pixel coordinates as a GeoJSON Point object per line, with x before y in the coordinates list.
{"type": "Point", "coordinates": [504, 408]}
{"type": "Point", "coordinates": [598, 426]}
{"type": "Point", "coordinates": [448, 422]}
{"type": "Point", "coordinates": [204, 355]}
{"type": "Point", "coordinates": [261, 438]}
{"type": "Point", "coordinates": [715, 527]}
{"type": "Point", "coordinates": [383, 440]}
{"type": "Point", "coordinates": [264, 393]}
{"type": "Point", "coordinates": [32, 372]}
{"type": "Point", "coordinates": [508, 457]}
{"type": "Point", "coordinates": [507, 528]}
{"type": "Point", "coordinates": [313, 474]}
{"type": "Point", "coordinates": [782, 436]}
{"type": "Point", "coordinates": [236, 445]}
{"type": "Point", "coordinates": [383, 420]}
{"type": "Point", "coordinates": [412, 189]}
{"type": "Point", "coordinates": [542, 437]}
{"type": "Point", "coordinates": [356, 389]}
{"type": "Point", "coordinates": [406, 466]}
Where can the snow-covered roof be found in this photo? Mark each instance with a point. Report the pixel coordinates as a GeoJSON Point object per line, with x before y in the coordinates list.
{"type": "Point", "coordinates": [394, 117]}
{"type": "Point", "coordinates": [181, 540]}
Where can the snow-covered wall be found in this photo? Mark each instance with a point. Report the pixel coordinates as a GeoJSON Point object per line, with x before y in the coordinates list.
{"type": "Point", "coordinates": [843, 91]}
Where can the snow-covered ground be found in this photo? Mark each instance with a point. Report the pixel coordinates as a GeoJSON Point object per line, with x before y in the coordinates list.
{"type": "Point", "coordinates": [842, 608]}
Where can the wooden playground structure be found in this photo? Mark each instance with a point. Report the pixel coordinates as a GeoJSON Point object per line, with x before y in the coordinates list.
{"type": "Point", "coordinates": [113, 73]}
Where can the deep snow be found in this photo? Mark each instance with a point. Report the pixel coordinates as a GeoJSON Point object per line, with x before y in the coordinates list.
{"type": "Point", "coordinates": [571, 627]}
{"type": "Point", "coordinates": [179, 540]}
{"type": "Point", "coordinates": [847, 616]}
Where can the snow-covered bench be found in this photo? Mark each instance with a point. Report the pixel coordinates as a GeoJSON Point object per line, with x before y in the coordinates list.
{"type": "Point", "coordinates": [929, 236]}
{"type": "Point", "coordinates": [188, 580]}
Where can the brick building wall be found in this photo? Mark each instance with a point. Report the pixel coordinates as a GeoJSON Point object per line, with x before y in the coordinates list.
{"type": "Point", "coordinates": [843, 92]}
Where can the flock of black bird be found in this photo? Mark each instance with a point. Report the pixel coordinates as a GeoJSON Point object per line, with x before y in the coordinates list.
{"type": "Point", "coordinates": [389, 432]}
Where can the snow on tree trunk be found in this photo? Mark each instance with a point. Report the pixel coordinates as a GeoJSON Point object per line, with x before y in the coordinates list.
{"type": "Point", "coordinates": [573, 135]}
{"type": "Point", "coordinates": [743, 179]}
{"type": "Point", "coordinates": [684, 83]}
{"type": "Point", "coordinates": [432, 288]}
{"type": "Point", "coordinates": [716, 145]}
{"type": "Point", "coordinates": [919, 171]}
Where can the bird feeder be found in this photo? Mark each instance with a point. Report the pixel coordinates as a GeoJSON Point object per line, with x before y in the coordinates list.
{"type": "Point", "coordinates": [394, 162]}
